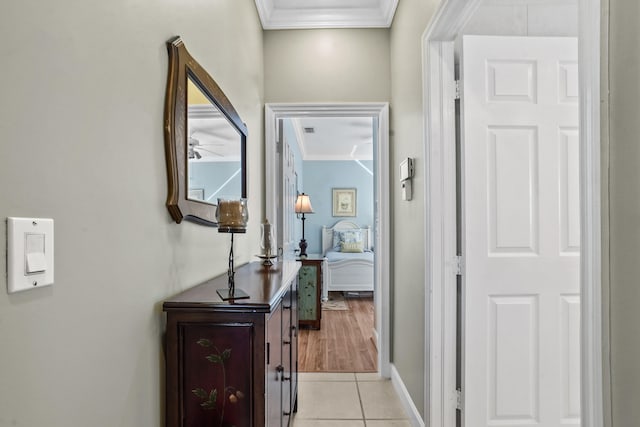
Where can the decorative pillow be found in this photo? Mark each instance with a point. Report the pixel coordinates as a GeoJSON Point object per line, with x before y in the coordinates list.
{"type": "Point", "coordinates": [351, 247]}
{"type": "Point", "coordinates": [348, 236]}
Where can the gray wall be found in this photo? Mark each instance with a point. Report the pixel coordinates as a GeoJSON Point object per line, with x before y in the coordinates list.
{"type": "Point", "coordinates": [350, 65]}
{"type": "Point", "coordinates": [408, 252]}
{"type": "Point", "coordinates": [81, 119]}
{"type": "Point", "coordinates": [624, 209]}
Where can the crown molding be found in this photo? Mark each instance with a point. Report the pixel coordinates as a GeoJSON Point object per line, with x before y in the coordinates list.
{"type": "Point", "coordinates": [275, 17]}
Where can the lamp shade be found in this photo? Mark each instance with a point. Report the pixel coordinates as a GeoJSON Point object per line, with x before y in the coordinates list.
{"type": "Point", "coordinates": [303, 204]}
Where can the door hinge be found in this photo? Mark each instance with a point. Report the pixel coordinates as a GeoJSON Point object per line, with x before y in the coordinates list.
{"type": "Point", "coordinates": [457, 265]}
{"type": "Point", "coordinates": [457, 89]}
{"type": "Point", "coordinates": [459, 399]}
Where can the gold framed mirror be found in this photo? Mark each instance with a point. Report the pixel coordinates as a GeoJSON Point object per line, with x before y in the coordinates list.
{"type": "Point", "coordinates": [205, 141]}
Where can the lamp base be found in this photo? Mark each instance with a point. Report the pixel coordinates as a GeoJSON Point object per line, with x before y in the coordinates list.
{"type": "Point", "coordinates": [303, 248]}
{"type": "Point", "coordinates": [227, 294]}
{"type": "Point", "coordinates": [267, 260]}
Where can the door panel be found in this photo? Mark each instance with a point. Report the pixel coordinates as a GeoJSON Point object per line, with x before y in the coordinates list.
{"type": "Point", "coordinates": [569, 191]}
{"type": "Point", "coordinates": [521, 232]}
{"type": "Point", "coordinates": [287, 194]}
{"type": "Point", "coordinates": [513, 362]}
{"type": "Point", "coordinates": [570, 315]}
{"type": "Point", "coordinates": [512, 189]}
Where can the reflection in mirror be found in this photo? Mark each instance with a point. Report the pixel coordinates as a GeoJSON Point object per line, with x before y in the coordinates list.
{"type": "Point", "coordinates": [214, 150]}
{"type": "Point", "coordinates": [205, 141]}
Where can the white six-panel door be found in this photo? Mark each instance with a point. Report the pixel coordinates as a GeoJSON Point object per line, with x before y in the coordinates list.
{"type": "Point", "coordinates": [521, 304]}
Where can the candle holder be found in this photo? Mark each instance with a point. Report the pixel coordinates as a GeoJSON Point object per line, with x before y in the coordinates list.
{"type": "Point", "coordinates": [232, 215]}
{"type": "Point", "coordinates": [232, 218]}
{"type": "Point", "coordinates": [266, 244]}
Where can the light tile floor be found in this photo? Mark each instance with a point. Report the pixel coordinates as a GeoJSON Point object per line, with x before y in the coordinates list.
{"type": "Point", "coordinates": [347, 400]}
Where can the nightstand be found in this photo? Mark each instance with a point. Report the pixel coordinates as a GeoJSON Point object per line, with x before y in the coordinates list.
{"type": "Point", "coordinates": [310, 282]}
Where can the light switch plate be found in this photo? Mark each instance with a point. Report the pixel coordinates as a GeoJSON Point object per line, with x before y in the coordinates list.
{"type": "Point", "coordinates": [19, 230]}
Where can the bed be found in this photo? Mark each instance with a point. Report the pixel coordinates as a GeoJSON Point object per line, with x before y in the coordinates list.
{"type": "Point", "coordinates": [348, 271]}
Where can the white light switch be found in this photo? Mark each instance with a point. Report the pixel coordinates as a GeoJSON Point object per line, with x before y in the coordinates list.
{"type": "Point", "coordinates": [36, 263]}
{"type": "Point", "coordinates": [29, 253]}
{"type": "Point", "coordinates": [34, 248]}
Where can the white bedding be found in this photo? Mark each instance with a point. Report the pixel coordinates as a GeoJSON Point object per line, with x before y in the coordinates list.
{"type": "Point", "coordinates": [339, 256]}
{"type": "Point", "coordinates": [348, 271]}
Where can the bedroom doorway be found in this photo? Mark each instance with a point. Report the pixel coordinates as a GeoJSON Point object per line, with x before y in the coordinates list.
{"type": "Point", "coordinates": [369, 126]}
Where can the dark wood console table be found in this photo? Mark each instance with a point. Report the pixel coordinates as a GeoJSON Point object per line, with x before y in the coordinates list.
{"type": "Point", "coordinates": [234, 363]}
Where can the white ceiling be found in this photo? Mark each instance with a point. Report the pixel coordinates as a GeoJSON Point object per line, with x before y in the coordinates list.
{"type": "Point", "coordinates": [211, 137]}
{"type": "Point", "coordinates": [335, 138]}
{"type": "Point", "coordinates": [299, 14]}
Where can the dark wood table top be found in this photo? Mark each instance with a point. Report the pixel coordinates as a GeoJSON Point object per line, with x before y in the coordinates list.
{"type": "Point", "coordinates": [265, 286]}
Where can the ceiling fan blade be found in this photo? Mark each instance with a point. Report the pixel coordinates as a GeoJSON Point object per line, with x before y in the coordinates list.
{"type": "Point", "coordinates": [209, 151]}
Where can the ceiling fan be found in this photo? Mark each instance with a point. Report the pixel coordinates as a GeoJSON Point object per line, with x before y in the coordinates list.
{"type": "Point", "coordinates": [194, 149]}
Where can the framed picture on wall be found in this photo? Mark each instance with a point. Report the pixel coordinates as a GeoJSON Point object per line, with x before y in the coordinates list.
{"type": "Point", "coordinates": [196, 194]}
{"type": "Point", "coordinates": [344, 202]}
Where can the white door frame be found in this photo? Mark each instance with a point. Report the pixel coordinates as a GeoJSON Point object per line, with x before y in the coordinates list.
{"type": "Point", "coordinates": [379, 110]}
{"type": "Point", "coordinates": [440, 217]}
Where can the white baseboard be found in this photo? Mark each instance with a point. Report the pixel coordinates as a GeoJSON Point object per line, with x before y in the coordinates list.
{"type": "Point", "coordinates": [414, 416]}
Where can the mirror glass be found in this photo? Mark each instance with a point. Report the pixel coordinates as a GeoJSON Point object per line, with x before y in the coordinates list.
{"type": "Point", "coordinates": [205, 141]}
{"type": "Point", "coordinates": [213, 150]}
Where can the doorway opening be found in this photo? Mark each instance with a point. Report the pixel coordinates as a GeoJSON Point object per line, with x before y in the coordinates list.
{"type": "Point", "coordinates": [373, 229]}
{"type": "Point", "coordinates": [333, 166]}
{"type": "Point", "coordinates": [444, 399]}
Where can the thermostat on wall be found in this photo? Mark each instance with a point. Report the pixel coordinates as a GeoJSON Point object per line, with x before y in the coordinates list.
{"type": "Point", "coordinates": [406, 169]}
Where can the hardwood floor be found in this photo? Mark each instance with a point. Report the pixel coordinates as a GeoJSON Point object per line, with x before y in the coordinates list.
{"type": "Point", "coordinates": [344, 342]}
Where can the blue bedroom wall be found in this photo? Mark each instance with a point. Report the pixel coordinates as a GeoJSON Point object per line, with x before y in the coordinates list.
{"type": "Point", "coordinates": [320, 177]}
{"type": "Point", "coordinates": [211, 177]}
